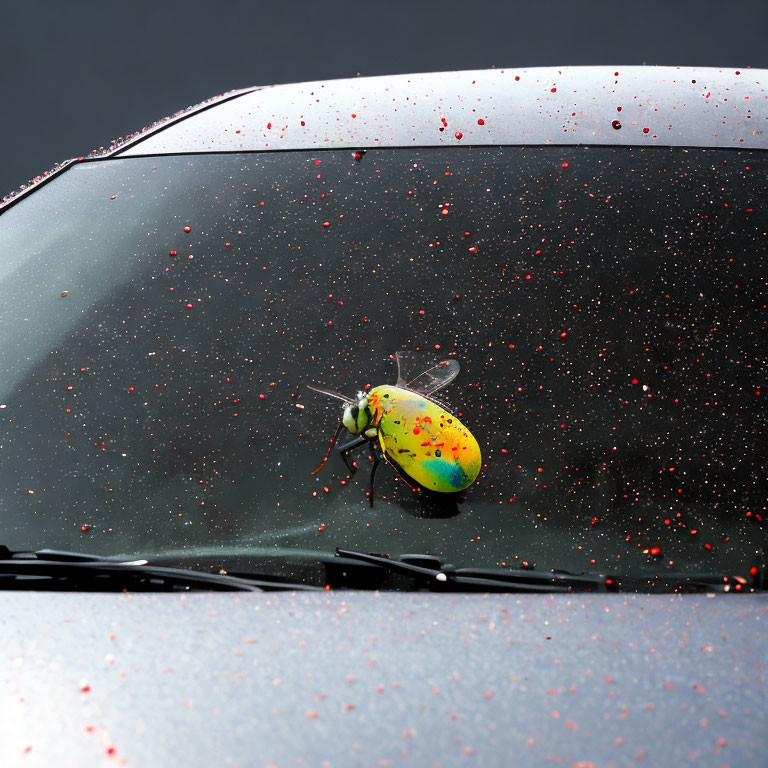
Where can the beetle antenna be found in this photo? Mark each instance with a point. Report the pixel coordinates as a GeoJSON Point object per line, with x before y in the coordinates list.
{"type": "Point", "coordinates": [330, 448]}
{"type": "Point", "coordinates": [330, 393]}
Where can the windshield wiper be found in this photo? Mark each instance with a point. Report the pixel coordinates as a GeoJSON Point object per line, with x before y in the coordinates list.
{"type": "Point", "coordinates": [686, 582]}
{"type": "Point", "coordinates": [428, 572]}
{"type": "Point", "coordinates": [48, 569]}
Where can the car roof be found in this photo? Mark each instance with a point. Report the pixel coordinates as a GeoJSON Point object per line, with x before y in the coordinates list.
{"type": "Point", "coordinates": [600, 105]}
{"type": "Point", "coordinates": [634, 105]}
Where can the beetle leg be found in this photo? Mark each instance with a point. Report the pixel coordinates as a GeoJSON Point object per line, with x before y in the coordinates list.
{"type": "Point", "coordinates": [347, 447]}
{"type": "Point", "coordinates": [376, 461]}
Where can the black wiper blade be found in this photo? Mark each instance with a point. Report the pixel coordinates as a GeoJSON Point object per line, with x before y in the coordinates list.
{"type": "Point", "coordinates": [429, 572]}
{"type": "Point", "coordinates": [48, 569]}
{"type": "Point", "coordinates": [686, 582]}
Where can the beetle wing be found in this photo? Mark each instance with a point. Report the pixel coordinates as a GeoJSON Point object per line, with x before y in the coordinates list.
{"type": "Point", "coordinates": [429, 381]}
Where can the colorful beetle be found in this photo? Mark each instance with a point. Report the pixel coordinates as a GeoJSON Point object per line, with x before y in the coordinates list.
{"type": "Point", "coordinates": [423, 441]}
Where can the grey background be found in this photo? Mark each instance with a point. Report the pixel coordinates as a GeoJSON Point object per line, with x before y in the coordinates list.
{"type": "Point", "coordinates": [77, 74]}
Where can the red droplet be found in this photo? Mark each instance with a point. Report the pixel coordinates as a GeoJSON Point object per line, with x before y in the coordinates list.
{"type": "Point", "coordinates": [481, 121]}
{"type": "Point", "coordinates": [458, 135]}
{"type": "Point", "coordinates": [473, 249]}
{"type": "Point", "coordinates": [655, 551]}
{"type": "Point", "coordinates": [444, 211]}
{"type": "Point", "coordinates": [565, 164]}
{"type": "Point", "coordinates": [172, 253]}
{"type": "Point", "coordinates": [187, 228]}
{"type": "Point", "coordinates": [326, 223]}
{"type": "Point", "coordinates": [615, 124]}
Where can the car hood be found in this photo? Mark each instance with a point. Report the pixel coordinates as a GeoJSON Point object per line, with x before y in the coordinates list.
{"type": "Point", "coordinates": [349, 678]}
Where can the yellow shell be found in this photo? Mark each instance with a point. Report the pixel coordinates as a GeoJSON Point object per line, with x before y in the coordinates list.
{"type": "Point", "coordinates": [425, 442]}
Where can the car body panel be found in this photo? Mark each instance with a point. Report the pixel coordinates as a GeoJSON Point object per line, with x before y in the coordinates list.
{"type": "Point", "coordinates": [383, 679]}
{"type": "Point", "coordinates": [644, 106]}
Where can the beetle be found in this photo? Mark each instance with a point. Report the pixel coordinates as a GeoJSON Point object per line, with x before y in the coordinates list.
{"type": "Point", "coordinates": [425, 443]}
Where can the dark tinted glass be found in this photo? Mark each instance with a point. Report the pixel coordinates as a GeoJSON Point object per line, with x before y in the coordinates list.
{"type": "Point", "coordinates": [161, 317]}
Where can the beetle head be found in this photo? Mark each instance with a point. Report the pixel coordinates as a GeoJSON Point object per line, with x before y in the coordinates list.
{"type": "Point", "coordinates": [356, 416]}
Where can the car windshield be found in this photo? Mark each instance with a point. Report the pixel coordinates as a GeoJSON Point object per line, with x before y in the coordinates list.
{"type": "Point", "coordinates": [162, 317]}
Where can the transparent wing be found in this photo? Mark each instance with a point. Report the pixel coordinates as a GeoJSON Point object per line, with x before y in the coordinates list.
{"type": "Point", "coordinates": [330, 393]}
{"type": "Point", "coordinates": [429, 381]}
